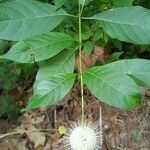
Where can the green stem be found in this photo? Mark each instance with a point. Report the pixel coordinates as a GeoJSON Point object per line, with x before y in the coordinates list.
{"type": "Point", "coordinates": [81, 9]}
{"type": "Point", "coordinates": [69, 15]}
{"type": "Point", "coordinates": [80, 65]}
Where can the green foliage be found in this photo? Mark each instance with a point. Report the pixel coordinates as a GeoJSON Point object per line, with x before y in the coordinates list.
{"type": "Point", "coordinates": [23, 19]}
{"type": "Point", "coordinates": [7, 108]}
{"type": "Point", "coordinates": [88, 47]}
{"type": "Point", "coordinates": [29, 50]}
{"type": "Point", "coordinates": [115, 85]}
{"type": "Point", "coordinates": [8, 74]}
{"type": "Point", "coordinates": [144, 3]}
{"type": "Point", "coordinates": [59, 3]}
{"type": "Point", "coordinates": [122, 3]}
{"type": "Point", "coordinates": [115, 56]}
{"type": "Point", "coordinates": [137, 136]}
{"type": "Point", "coordinates": [50, 90]}
{"type": "Point", "coordinates": [84, 2]}
{"type": "Point", "coordinates": [54, 80]}
{"type": "Point", "coordinates": [2, 46]}
{"type": "Point", "coordinates": [132, 28]}
{"type": "Point", "coordinates": [115, 88]}
{"type": "Point", "coordinates": [30, 22]}
{"type": "Point", "coordinates": [138, 69]}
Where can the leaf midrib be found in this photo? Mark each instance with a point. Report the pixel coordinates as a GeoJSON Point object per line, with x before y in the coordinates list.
{"type": "Point", "coordinates": [52, 89]}
{"type": "Point", "coordinates": [47, 44]}
{"type": "Point", "coordinates": [134, 73]}
{"type": "Point", "coordinates": [105, 82]}
{"type": "Point", "coordinates": [119, 23]}
{"type": "Point", "coordinates": [45, 16]}
{"type": "Point", "coordinates": [66, 60]}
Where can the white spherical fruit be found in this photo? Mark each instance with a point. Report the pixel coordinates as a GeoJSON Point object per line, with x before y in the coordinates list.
{"type": "Point", "coordinates": [83, 137]}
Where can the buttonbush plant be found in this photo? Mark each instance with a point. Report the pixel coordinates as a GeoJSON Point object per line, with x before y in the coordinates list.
{"type": "Point", "coordinates": [53, 34]}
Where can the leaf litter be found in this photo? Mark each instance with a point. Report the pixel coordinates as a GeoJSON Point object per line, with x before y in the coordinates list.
{"type": "Point", "coordinates": [121, 129]}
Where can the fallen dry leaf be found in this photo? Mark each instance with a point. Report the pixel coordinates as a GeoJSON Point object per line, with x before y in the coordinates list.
{"type": "Point", "coordinates": [98, 54]}
{"type": "Point", "coordinates": [22, 145]}
{"type": "Point", "coordinates": [38, 138]}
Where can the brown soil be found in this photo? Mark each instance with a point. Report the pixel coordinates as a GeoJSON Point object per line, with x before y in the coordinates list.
{"type": "Point", "coordinates": [122, 130]}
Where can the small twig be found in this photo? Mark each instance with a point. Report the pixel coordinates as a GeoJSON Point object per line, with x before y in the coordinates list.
{"type": "Point", "coordinates": [100, 124]}
{"type": "Point", "coordinates": [127, 137]}
{"type": "Point", "coordinates": [47, 117]}
{"type": "Point", "coordinates": [55, 117]}
{"type": "Point", "coordinates": [23, 131]}
{"type": "Point", "coordinates": [9, 134]}
{"type": "Point", "coordinates": [118, 148]}
{"type": "Point", "coordinates": [106, 143]}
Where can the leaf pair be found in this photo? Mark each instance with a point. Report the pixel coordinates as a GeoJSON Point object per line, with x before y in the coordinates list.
{"type": "Point", "coordinates": [22, 19]}
{"type": "Point", "coordinates": [115, 84]}
{"type": "Point", "coordinates": [29, 23]}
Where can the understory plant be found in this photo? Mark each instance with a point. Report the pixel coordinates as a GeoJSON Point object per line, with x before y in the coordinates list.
{"type": "Point", "coordinates": [53, 35]}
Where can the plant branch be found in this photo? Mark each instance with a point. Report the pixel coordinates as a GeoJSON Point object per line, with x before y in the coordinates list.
{"type": "Point", "coordinates": [82, 7]}
{"type": "Point", "coordinates": [80, 64]}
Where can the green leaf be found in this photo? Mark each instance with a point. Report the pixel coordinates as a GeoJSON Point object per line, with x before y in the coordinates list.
{"type": "Point", "coordinates": [113, 83]}
{"type": "Point", "coordinates": [50, 90]}
{"type": "Point", "coordinates": [84, 2]}
{"type": "Point", "coordinates": [88, 47]}
{"type": "Point", "coordinates": [118, 44]}
{"type": "Point", "coordinates": [113, 88]}
{"type": "Point", "coordinates": [122, 3]}
{"type": "Point", "coordinates": [4, 1]}
{"type": "Point", "coordinates": [59, 3]}
{"type": "Point", "coordinates": [64, 62]}
{"type": "Point", "coordinates": [38, 48]}
{"type": "Point", "coordinates": [3, 45]}
{"type": "Point", "coordinates": [53, 80]}
{"type": "Point", "coordinates": [22, 19]}
{"type": "Point", "coordinates": [130, 24]}
{"type": "Point", "coordinates": [138, 69]}
{"type": "Point", "coordinates": [99, 34]}
{"type": "Point", "coordinates": [7, 107]}
{"type": "Point", "coordinates": [115, 56]}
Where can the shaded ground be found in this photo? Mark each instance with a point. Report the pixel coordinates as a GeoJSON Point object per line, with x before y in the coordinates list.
{"type": "Point", "coordinates": [122, 130]}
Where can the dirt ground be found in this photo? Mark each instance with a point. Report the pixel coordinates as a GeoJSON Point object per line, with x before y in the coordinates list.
{"type": "Point", "coordinates": [122, 130]}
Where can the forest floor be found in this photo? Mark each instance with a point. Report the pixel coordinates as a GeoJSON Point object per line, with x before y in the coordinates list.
{"type": "Point", "coordinates": [122, 130]}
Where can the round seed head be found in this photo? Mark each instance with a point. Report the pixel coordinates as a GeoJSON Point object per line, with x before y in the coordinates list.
{"type": "Point", "coordinates": [83, 137]}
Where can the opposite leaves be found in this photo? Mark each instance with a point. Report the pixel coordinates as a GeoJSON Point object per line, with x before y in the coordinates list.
{"type": "Point", "coordinates": [20, 19]}
{"type": "Point", "coordinates": [130, 24]}
{"type": "Point", "coordinates": [39, 48]}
